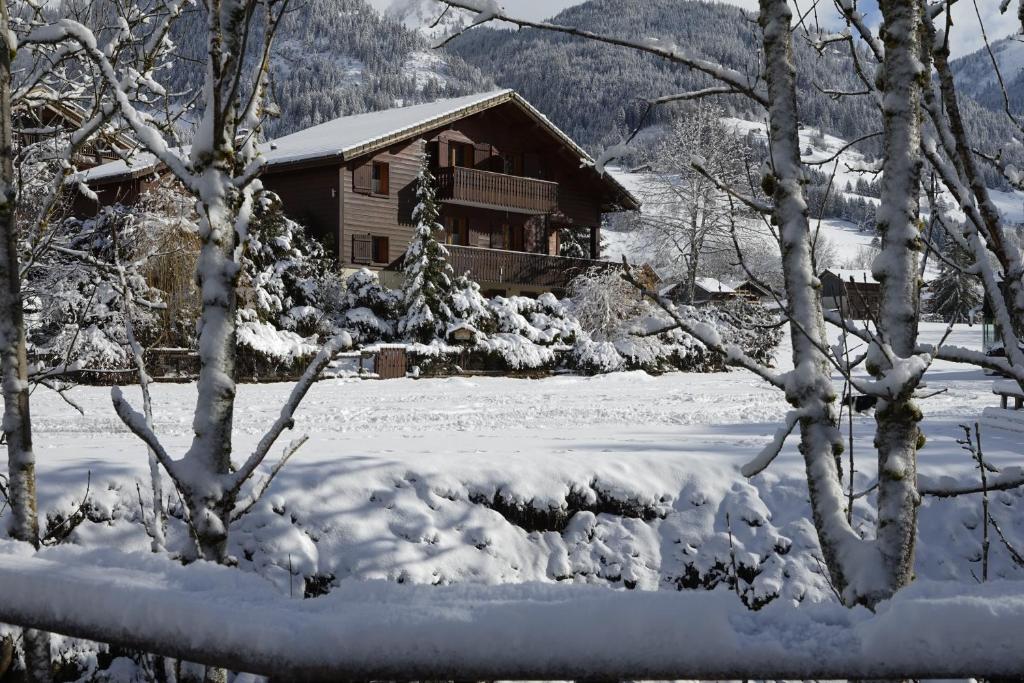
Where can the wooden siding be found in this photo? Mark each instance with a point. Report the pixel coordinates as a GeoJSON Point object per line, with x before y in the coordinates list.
{"type": "Point", "coordinates": [519, 268]}
{"type": "Point", "coordinates": [310, 197]}
{"type": "Point", "coordinates": [381, 215]}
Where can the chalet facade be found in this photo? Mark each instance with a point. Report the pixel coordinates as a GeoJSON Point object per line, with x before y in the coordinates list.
{"type": "Point", "coordinates": [856, 294]}
{"type": "Point", "coordinates": [509, 184]}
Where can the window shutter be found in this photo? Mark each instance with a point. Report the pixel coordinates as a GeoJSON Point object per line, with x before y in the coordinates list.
{"type": "Point", "coordinates": [384, 169]}
{"type": "Point", "coordinates": [362, 178]}
{"type": "Point", "coordinates": [362, 249]}
{"type": "Point", "coordinates": [442, 153]}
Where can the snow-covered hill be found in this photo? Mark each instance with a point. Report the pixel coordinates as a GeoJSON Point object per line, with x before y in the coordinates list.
{"type": "Point", "coordinates": [975, 76]}
{"type": "Point", "coordinates": [848, 242]}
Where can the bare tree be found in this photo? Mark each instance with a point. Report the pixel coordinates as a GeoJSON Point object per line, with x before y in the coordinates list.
{"type": "Point", "coordinates": [687, 221]}
{"type": "Point", "coordinates": [221, 170]}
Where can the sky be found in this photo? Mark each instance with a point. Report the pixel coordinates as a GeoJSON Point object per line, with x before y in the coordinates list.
{"type": "Point", "coordinates": [966, 36]}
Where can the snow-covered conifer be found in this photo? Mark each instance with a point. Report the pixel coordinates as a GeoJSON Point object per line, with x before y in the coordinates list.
{"type": "Point", "coordinates": [956, 295]}
{"type": "Point", "coordinates": [429, 287]}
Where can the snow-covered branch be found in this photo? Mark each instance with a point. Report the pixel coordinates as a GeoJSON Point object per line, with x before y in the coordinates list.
{"type": "Point", "coordinates": [215, 616]}
{"type": "Point", "coordinates": [286, 418]}
{"type": "Point", "coordinates": [707, 335]}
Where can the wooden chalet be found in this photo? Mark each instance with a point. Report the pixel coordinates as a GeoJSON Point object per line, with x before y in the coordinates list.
{"type": "Point", "coordinates": [705, 290]}
{"type": "Point", "coordinates": [754, 291]}
{"type": "Point", "coordinates": [41, 114]}
{"type": "Point", "coordinates": [508, 181]}
{"type": "Point", "coordinates": [854, 293]}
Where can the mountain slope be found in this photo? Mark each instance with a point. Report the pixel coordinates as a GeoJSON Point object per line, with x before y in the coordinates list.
{"type": "Point", "coordinates": [976, 77]}
{"type": "Point", "coordinates": [338, 57]}
{"type": "Point", "coordinates": [595, 92]}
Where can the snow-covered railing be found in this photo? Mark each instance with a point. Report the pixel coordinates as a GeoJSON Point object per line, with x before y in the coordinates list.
{"type": "Point", "coordinates": [376, 630]}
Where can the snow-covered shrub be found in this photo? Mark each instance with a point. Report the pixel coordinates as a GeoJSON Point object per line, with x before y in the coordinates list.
{"type": "Point", "coordinates": [366, 309]}
{"type": "Point", "coordinates": [750, 325]}
{"type": "Point", "coordinates": [623, 331]}
{"type": "Point", "coordinates": [596, 358]}
{"type": "Point", "coordinates": [470, 308]}
{"type": "Point", "coordinates": [74, 304]}
{"type": "Point", "coordinates": [281, 293]}
{"type": "Point", "coordinates": [544, 320]}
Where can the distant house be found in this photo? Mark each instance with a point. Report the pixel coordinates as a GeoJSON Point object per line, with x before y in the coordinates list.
{"type": "Point", "coordinates": [753, 291]}
{"type": "Point", "coordinates": [854, 293]}
{"type": "Point", "coordinates": [509, 182]}
{"type": "Point", "coordinates": [705, 290]}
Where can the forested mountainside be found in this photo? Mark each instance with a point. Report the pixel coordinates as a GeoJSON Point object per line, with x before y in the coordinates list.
{"type": "Point", "coordinates": [339, 57]}
{"type": "Point", "coordinates": [975, 76]}
{"type": "Point", "coordinates": [596, 92]}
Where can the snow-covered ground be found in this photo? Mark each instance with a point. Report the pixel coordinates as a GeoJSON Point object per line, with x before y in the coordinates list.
{"type": "Point", "coordinates": [625, 479]}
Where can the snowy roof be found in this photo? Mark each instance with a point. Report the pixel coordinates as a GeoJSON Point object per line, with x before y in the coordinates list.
{"type": "Point", "coordinates": [710, 284]}
{"type": "Point", "coordinates": [847, 275]}
{"type": "Point", "coordinates": [351, 136]}
{"type": "Point", "coordinates": [140, 164]}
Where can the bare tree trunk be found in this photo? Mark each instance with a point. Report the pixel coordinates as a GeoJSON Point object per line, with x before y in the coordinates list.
{"type": "Point", "coordinates": [897, 435]}
{"type": "Point", "coordinates": [17, 423]}
{"type": "Point", "coordinates": [811, 392]}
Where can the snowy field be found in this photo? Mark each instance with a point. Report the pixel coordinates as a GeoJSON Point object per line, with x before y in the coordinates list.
{"type": "Point", "coordinates": [625, 479]}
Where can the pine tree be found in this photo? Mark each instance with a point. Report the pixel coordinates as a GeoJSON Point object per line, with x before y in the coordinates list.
{"type": "Point", "coordinates": [429, 285]}
{"type": "Point", "coordinates": [956, 295]}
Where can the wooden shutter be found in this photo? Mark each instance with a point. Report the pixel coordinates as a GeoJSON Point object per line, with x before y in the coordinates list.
{"type": "Point", "coordinates": [362, 179]}
{"type": "Point", "coordinates": [481, 155]}
{"type": "Point", "coordinates": [384, 177]}
{"type": "Point", "coordinates": [442, 153]}
{"type": "Point", "coordinates": [362, 249]}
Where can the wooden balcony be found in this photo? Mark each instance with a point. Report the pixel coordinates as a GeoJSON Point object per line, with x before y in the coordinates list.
{"type": "Point", "coordinates": [498, 266]}
{"type": "Point", "coordinates": [485, 189]}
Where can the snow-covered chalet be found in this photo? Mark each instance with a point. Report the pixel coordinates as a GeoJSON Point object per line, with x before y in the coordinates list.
{"type": "Point", "coordinates": [510, 183]}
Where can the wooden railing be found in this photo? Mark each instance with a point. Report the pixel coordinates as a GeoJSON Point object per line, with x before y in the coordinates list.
{"type": "Point", "coordinates": [496, 190]}
{"type": "Point", "coordinates": [497, 266]}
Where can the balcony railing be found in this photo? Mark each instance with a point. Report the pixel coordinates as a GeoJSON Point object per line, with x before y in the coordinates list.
{"type": "Point", "coordinates": [497, 266]}
{"type": "Point", "coordinates": [472, 187]}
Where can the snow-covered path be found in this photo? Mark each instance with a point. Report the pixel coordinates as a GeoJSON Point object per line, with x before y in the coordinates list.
{"type": "Point", "coordinates": [462, 479]}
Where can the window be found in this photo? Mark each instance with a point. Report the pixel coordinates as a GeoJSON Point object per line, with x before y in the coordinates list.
{"type": "Point", "coordinates": [513, 164]}
{"type": "Point", "coordinates": [381, 173]}
{"type": "Point", "coordinates": [498, 236]}
{"type": "Point", "coordinates": [460, 154]}
{"type": "Point", "coordinates": [457, 231]}
{"type": "Point", "coordinates": [380, 249]}
{"type": "Point", "coordinates": [370, 249]}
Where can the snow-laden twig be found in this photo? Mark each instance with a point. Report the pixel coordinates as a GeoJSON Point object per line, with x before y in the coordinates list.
{"type": "Point", "coordinates": [286, 419]}
{"type": "Point", "coordinates": [773, 448]}
{"type": "Point", "coordinates": [245, 505]}
{"type": "Point", "coordinates": [707, 335]}
{"type": "Point", "coordinates": [137, 423]}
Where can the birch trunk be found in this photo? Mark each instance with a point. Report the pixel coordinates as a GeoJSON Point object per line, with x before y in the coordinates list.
{"type": "Point", "coordinates": [897, 434]}
{"type": "Point", "coordinates": [810, 386]}
{"type": "Point", "coordinates": [17, 422]}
